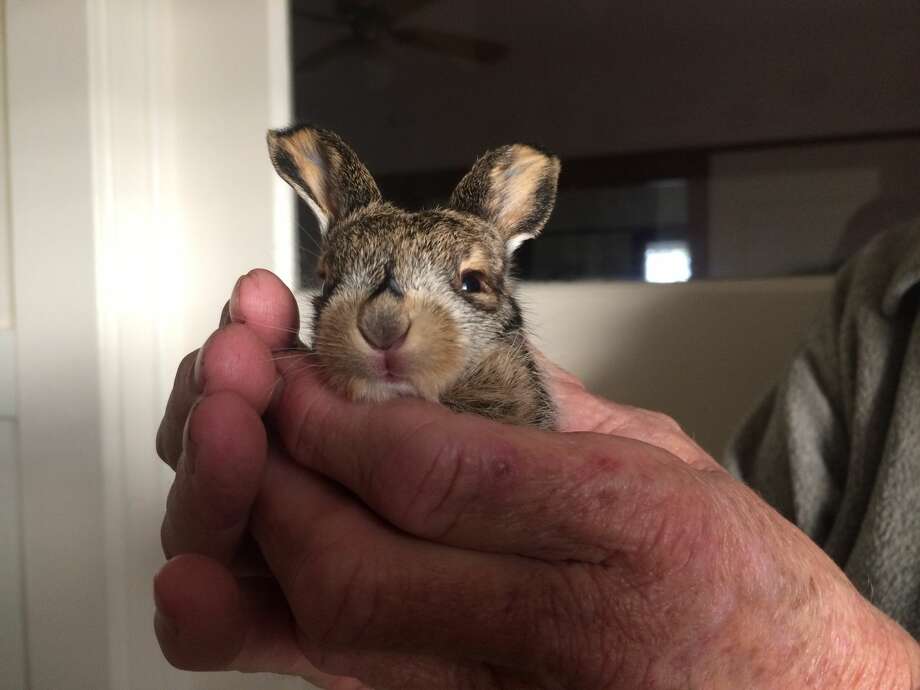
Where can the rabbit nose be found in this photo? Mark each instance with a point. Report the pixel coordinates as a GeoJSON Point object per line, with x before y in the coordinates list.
{"type": "Point", "coordinates": [383, 325]}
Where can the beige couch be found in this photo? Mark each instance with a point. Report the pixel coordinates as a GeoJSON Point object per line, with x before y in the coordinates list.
{"type": "Point", "coordinates": [704, 352]}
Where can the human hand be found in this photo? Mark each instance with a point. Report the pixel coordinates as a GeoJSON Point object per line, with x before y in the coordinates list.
{"type": "Point", "coordinates": [527, 559]}
{"type": "Point", "coordinates": [225, 610]}
{"type": "Point", "coordinates": [581, 410]}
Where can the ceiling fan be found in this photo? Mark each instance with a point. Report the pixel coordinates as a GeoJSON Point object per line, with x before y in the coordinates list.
{"type": "Point", "coordinates": [373, 22]}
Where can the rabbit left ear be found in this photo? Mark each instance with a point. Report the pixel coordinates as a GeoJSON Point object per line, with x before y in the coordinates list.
{"type": "Point", "coordinates": [513, 188]}
{"type": "Point", "coordinates": [324, 172]}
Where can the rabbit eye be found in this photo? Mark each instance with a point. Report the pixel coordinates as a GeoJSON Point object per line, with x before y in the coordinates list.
{"type": "Point", "coordinates": [472, 281]}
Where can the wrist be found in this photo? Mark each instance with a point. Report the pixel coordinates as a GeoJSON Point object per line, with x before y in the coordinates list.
{"type": "Point", "coordinates": [902, 669]}
{"type": "Point", "coordinates": [860, 649]}
{"type": "Point", "coordinates": [831, 640]}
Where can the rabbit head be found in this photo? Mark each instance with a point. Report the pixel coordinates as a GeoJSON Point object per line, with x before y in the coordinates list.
{"type": "Point", "coordinates": [411, 301]}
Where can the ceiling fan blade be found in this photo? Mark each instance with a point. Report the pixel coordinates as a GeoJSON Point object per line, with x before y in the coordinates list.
{"type": "Point", "coordinates": [466, 47]}
{"type": "Point", "coordinates": [397, 9]}
{"type": "Point", "coordinates": [329, 52]}
{"type": "Point", "coordinates": [318, 17]}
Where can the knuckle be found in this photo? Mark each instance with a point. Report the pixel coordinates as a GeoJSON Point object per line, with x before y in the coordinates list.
{"type": "Point", "coordinates": [675, 535]}
{"type": "Point", "coordinates": [185, 369]}
{"type": "Point", "coordinates": [166, 540]}
{"type": "Point", "coordinates": [341, 664]}
{"type": "Point", "coordinates": [566, 627]}
{"type": "Point", "coordinates": [321, 658]}
{"type": "Point", "coordinates": [337, 591]}
{"type": "Point", "coordinates": [307, 431]}
{"type": "Point", "coordinates": [444, 489]}
{"type": "Point", "coordinates": [225, 314]}
{"type": "Point", "coordinates": [167, 444]}
{"type": "Point", "coordinates": [168, 537]}
{"type": "Point", "coordinates": [665, 421]}
{"type": "Point", "coordinates": [161, 443]}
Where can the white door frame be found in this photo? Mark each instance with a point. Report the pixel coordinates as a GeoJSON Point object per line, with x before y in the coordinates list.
{"type": "Point", "coordinates": [140, 190]}
{"type": "Point", "coordinates": [12, 631]}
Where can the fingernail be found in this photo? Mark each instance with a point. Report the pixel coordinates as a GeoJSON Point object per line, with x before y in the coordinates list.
{"type": "Point", "coordinates": [162, 621]}
{"type": "Point", "coordinates": [189, 445]}
{"type": "Point", "coordinates": [236, 313]}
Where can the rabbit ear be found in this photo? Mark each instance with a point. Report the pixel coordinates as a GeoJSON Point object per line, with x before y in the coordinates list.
{"type": "Point", "coordinates": [323, 171]}
{"type": "Point", "coordinates": [512, 187]}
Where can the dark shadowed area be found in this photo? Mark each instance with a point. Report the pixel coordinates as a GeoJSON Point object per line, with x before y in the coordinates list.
{"type": "Point", "coordinates": [711, 139]}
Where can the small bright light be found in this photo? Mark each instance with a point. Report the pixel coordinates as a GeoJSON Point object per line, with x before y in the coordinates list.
{"type": "Point", "coordinates": [667, 262]}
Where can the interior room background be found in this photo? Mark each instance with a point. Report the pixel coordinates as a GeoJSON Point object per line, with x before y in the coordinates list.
{"type": "Point", "coordinates": [737, 151]}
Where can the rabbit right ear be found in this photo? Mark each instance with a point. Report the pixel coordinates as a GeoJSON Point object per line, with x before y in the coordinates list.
{"type": "Point", "coordinates": [324, 172]}
{"type": "Point", "coordinates": [514, 188]}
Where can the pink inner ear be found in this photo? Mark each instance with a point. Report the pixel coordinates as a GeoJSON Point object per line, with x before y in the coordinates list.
{"type": "Point", "coordinates": [514, 184]}
{"type": "Point", "coordinates": [516, 201]}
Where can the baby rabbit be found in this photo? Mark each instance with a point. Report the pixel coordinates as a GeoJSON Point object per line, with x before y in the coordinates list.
{"type": "Point", "coordinates": [422, 304]}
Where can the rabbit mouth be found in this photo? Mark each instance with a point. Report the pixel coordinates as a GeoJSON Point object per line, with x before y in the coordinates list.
{"type": "Point", "coordinates": [381, 390]}
{"type": "Point", "coordinates": [390, 374]}
{"type": "Point", "coordinates": [421, 358]}
{"type": "Point", "coordinates": [386, 365]}
{"type": "Point", "coordinates": [401, 373]}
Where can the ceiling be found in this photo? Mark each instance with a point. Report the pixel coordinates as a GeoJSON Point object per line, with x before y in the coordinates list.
{"type": "Point", "coordinates": [586, 77]}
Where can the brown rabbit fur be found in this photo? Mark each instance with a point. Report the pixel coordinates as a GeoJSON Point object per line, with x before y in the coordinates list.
{"type": "Point", "coordinates": [422, 303]}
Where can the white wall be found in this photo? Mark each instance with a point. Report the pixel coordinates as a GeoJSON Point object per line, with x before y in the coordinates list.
{"type": "Point", "coordinates": [188, 201]}
{"type": "Point", "coordinates": [223, 97]}
{"type": "Point", "coordinates": [6, 278]}
{"type": "Point", "coordinates": [12, 642]}
{"type": "Point", "coordinates": [58, 402]}
{"type": "Point", "coordinates": [140, 190]}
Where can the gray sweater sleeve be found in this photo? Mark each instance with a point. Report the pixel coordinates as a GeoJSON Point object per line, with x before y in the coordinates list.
{"type": "Point", "coordinates": [791, 449]}
{"type": "Point", "coordinates": [835, 447]}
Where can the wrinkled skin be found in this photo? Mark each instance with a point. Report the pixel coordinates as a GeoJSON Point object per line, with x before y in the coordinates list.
{"type": "Point", "coordinates": [467, 554]}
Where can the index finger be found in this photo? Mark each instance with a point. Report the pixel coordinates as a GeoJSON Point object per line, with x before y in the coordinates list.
{"type": "Point", "coordinates": [262, 302]}
{"type": "Point", "coordinates": [466, 481]}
